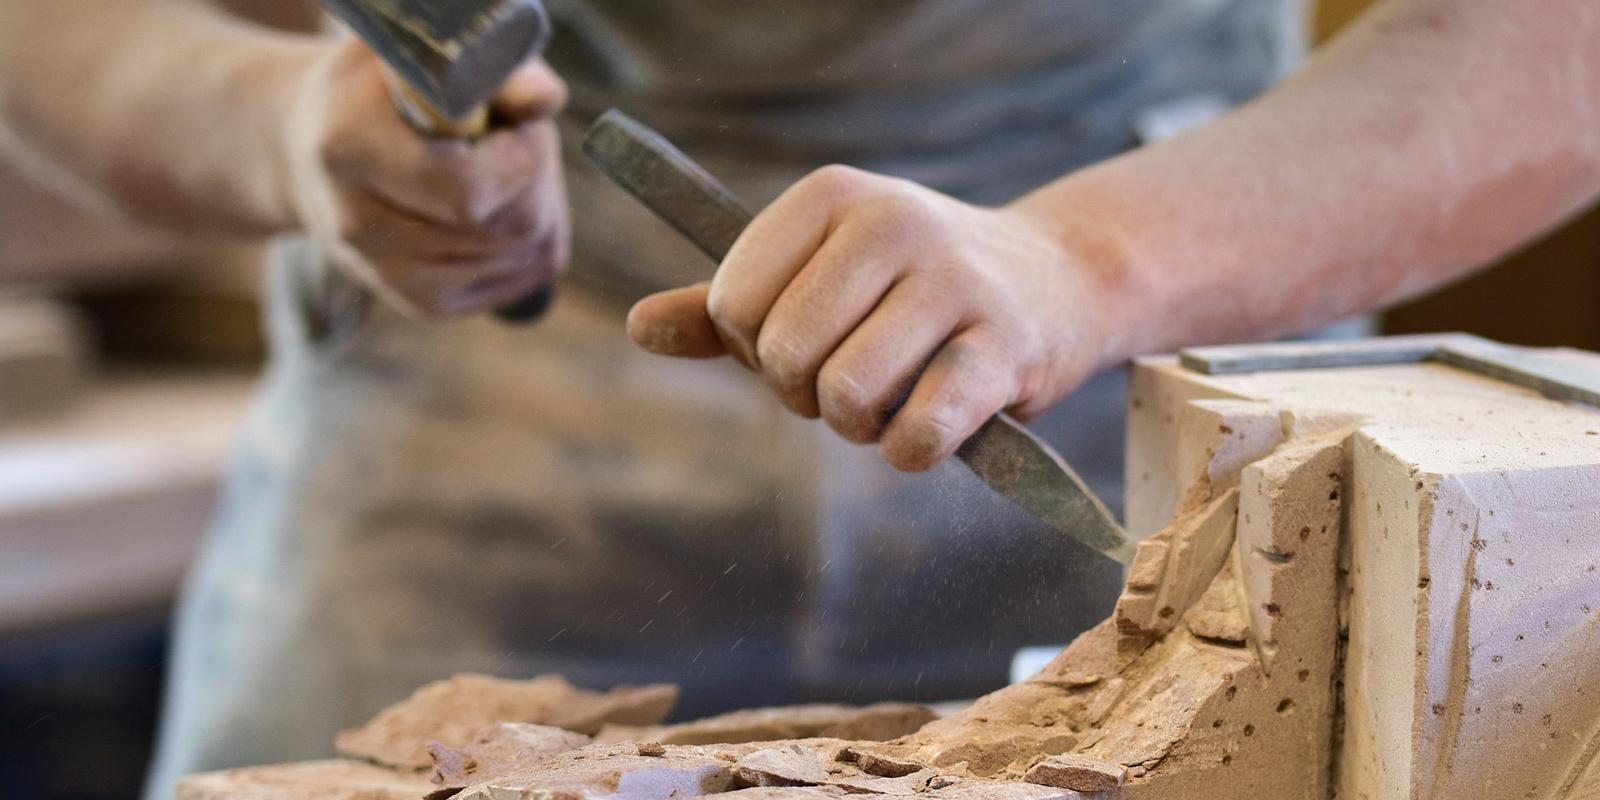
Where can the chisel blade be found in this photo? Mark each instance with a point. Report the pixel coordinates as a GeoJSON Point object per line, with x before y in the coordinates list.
{"type": "Point", "coordinates": [1011, 460]}
{"type": "Point", "coordinates": [1024, 469]}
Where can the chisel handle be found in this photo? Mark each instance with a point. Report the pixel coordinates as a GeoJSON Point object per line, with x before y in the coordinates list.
{"type": "Point", "coordinates": [667, 182]}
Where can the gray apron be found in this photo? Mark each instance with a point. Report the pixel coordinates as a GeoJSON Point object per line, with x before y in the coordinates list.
{"type": "Point", "coordinates": [412, 500]}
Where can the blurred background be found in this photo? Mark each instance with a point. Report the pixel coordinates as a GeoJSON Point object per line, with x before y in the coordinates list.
{"type": "Point", "coordinates": [126, 362]}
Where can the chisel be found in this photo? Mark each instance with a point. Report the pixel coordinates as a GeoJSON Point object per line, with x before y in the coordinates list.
{"type": "Point", "coordinates": [1007, 456]}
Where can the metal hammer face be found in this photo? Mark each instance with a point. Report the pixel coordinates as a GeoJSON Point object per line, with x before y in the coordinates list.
{"type": "Point", "coordinates": [452, 54]}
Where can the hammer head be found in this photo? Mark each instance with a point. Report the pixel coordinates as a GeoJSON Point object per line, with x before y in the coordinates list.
{"type": "Point", "coordinates": [454, 54]}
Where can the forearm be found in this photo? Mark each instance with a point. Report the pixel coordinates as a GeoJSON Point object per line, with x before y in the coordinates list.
{"type": "Point", "coordinates": [164, 110]}
{"type": "Point", "coordinates": [1432, 137]}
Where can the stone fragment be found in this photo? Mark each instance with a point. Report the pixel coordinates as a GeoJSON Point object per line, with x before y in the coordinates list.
{"type": "Point", "coordinates": [1292, 509]}
{"type": "Point", "coordinates": [1217, 438]}
{"type": "Point", "coordinates": [1185, 716]}
{"type": "Point", "coordinates": [1078, 773]}
{"type": "Point", "coordinates": [878, 722]}
{"type": "Point", "coordinates": [496, 750]}
{"type": "Point", "coordinates": [799, 765]}
{"type": "Point", "coordinates": [783, 793]}
{"type": "Point", "coordinates": [991, 790]}
{"type": "Point", "coordinates": [451, 711]}
{"type": "Point", "coordinates": [1178, 564]}
{"type": "Point", "coordinates": [616, 772]}
{"type": "Point", "coordinates": [311, 780]}
{"type": "Point", "coordinates": [1219, 614]}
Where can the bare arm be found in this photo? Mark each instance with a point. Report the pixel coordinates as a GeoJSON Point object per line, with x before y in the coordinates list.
{"type": "Point", "coordinates": [1430, 138]}
{"type": "Point", "coordinates": [167, 111]}
{"type": "Point", "coordinates": [181, 115]}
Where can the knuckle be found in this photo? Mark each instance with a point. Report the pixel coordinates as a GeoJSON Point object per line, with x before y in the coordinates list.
{"type": "Point", "coordinates": [727, 315]}
{"type": "Point", "coordinates": [550, 251]}
{"type": "Point", "coordinates": [453, 174]}
{"type": "Point", "coordinates": [782, 358]}
{"type": "Point", "coordinates": [901, 219]}
{"type": "Point", "coordinates": [519, 222]}
{"type": "Point", "coordinates": [558, 93]}
{"type": "Point", "coordinates": [471, 203]}
{"type": "Point", "coordinates": [908, 211]}
{"type": "Point", "coordinates": [848, 405]}
{"type": "Point", "coordinates": [337, 152]}
{"type": "Point", "coordinates": [351, 227]}
{"type": "Point", "coordinates": [425, 305]}
{"type": "Point", "coordinates": [834, 179]}
{"type": "Point", "coordinates": [941, 425]}
{"type": "Point", "coordinates": [929, 434]}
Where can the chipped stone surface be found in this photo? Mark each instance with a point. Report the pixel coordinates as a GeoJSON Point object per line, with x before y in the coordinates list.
{"type": "Point", "coordinates": [1174, 567]}
{"type": "Point", "coordinates": [451, 711]}
{"type": "Point", "coordinates": [784, 793]}
{"type": "Point", "coordinates": [1411, 503]}
{"type": "Point", "coordinates": [987, 790]}
{"type": "Point", "coordinates": [311, 780]}
{"type": "Point", "coordinates": [1219, 614]}
{"type": "Point", "coordinates": [1217, 438]}
{"type": "Point", "coordinates": [801, 765]}
{"type": "Point", "coordinates": [878, 722]}
{"type": "Point", "coordinates": [1186, 710]}
{"type": "Point", "coordinates": [496, 750]}
{"type": "Point", "coordinates": [614, 771]}
{"type": "Point", "coordinates": [1079, 773]}
{"type": "Point", "coordinates": [1469, 507]}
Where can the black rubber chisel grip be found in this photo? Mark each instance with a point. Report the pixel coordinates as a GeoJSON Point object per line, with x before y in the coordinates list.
{"type": "Point", "coordinates": [528, 309]}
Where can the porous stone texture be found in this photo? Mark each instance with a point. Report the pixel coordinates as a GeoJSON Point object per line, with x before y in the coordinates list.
{"type": "Point", "coordinates": [1191, 709]}
{"type": "Point", "coordinates": [1469, 569]}
{"type": "Point", "coordinates": [1372, 582]}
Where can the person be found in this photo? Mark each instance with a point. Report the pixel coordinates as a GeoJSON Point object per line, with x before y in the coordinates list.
{"type": "Point", "coordinates": [423, 490]}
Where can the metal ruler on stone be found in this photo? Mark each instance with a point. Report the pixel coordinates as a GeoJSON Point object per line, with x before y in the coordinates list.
{"type": "Point", "coordinates": [1551, 377]}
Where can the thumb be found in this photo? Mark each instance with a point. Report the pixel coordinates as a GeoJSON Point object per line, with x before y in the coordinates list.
{"type": "Point", "coordinates": [675, 323]}
{"type": "Point", "coordinates": [533, 92]}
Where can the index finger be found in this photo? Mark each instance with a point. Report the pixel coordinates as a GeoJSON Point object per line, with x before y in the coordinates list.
{"type": "Point", "coordinates": [778, 243]}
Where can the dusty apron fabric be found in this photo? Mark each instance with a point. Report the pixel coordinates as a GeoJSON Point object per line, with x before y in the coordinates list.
{"type": "Point", "coordinates": [412, 500]}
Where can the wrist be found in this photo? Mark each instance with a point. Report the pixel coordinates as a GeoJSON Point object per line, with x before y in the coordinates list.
{"type": "Point", "coordinates": [284, 76]}
{"type": "Point", "coordinates": [230, 83]}
{"type": "Point", "coordinates": [1095, 251]}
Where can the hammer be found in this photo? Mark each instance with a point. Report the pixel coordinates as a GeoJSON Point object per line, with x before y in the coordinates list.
{"type": "Point", "coordinates": [445, 59]}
